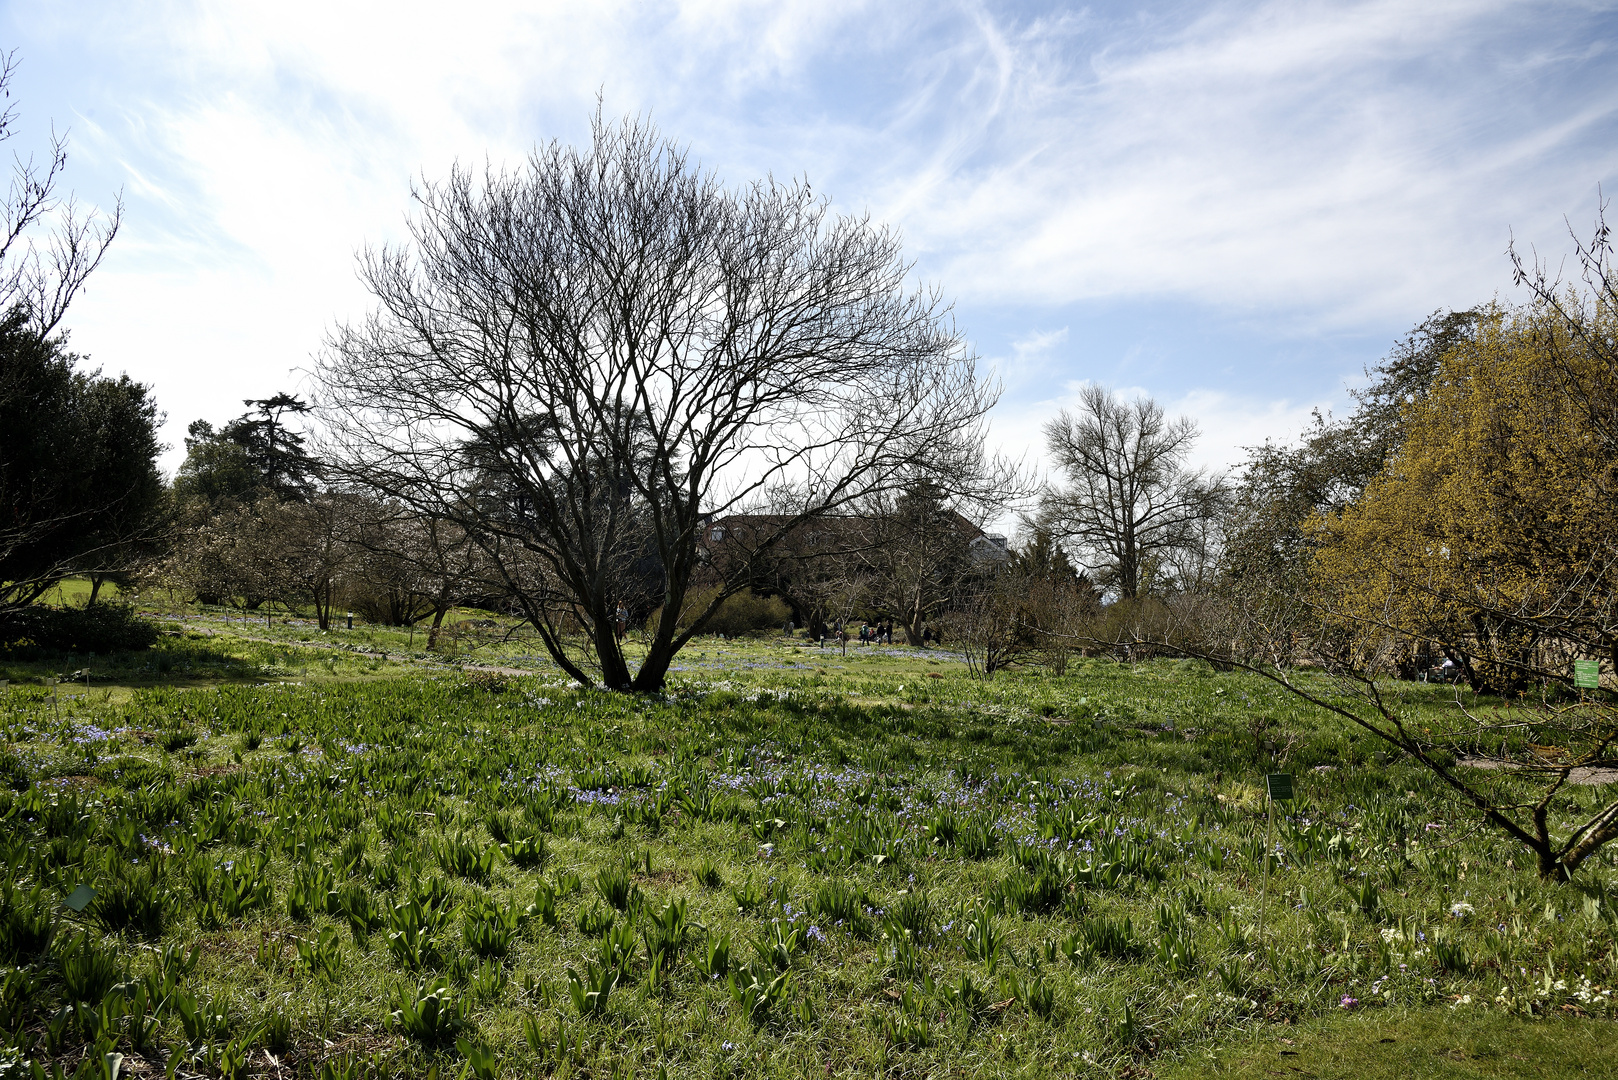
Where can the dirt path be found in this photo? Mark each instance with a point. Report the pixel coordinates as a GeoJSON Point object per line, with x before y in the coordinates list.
{"type": "Point", "coordinates": [1581, 775]}
{"type": "Point", "coordinates": [379, 654]}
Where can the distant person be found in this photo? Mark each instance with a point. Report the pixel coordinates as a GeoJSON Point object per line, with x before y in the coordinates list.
{"type": "Point", "coordinates": [623, 621]}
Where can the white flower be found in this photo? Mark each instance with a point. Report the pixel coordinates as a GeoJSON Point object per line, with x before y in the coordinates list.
{"type": "Point", "coordinates": [1460, 909]}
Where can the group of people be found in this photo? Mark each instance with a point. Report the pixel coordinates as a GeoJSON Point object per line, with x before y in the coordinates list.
{"type": "Point", "coordinates": [869, 634]}
{"type": "Point", "coordinates": [880, 634]}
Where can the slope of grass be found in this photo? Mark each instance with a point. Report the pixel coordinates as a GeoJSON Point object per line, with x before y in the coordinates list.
{"type": "Point", "coordinates": [793, 862]}
{"type": "Point", "coordinates": [1431, 1043]}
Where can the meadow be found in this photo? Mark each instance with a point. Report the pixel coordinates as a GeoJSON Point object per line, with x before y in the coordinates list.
{"type": "Point", "coordinates": [311, 862]}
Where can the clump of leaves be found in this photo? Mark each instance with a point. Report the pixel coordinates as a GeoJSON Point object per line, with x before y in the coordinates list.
{"type": "Point", "coordinates": [714, 959]}
{"type": "Point", "coordinates": [708, 874]}
{"type": "Point", "coordinates": [133, 900]}
{"type": "Point", "coordinates": [597, 920]}
{"type": "Point", "coordinates": [26, 922]}
{"type": "Point", "coordinates": [844, 905]}
{"type": "Point", "coordinates": [759, 990]}
{"type": "Point", "coordinates": [748, 895]}
{"type": "Point", "coordinates": [914, 912]}
{"type": "Point", "coordinates": [591, 990]}
{"type": "Point", "coordinates": [429, 1013]}
{"type": "Point", "coordinates": [88, 971]}
{"type": "Point", "coordinates": [176, 739]}
{"type": "Point", "coordinates": [488, 929]}
{"type": "Point", "coordinates": [983, 938]}
{"type": "Point", "coordinates": [465, 857]}
{"type": "Point", "coordinates": [322, 954]}
{"type": "Point", "coordinates": [1114, 939]}
{"type": "Point", "coordinates": [615, 887]}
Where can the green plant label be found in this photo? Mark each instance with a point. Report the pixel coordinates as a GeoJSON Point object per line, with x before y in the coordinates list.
{"type": "Point", "coordinates": [1279, 785]}
{"type": "Point", "coordinates": [80, 898]}
{"type": "Point", "coordinates": [1587, 674]}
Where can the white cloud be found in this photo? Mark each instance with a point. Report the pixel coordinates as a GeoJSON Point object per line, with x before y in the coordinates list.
{"type": "Point", "coordinates": [1343, 166]}
{"type": "Point", "coordinates": [1338, 158]}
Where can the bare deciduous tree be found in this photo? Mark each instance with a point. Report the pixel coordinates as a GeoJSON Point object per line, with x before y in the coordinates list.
{"type": "Point", "coordinates": [1131, 507]}
{"type": "Point", "coordinates": [408, 567]}
{"type": "Point", "coordinates": [311, 548]}
{"type": "Point", "coordinates": [914, 555]}
{"type": "Point", "coordinates": [43, 277]}
{"type": "Point", "coordinates": [584, 362]}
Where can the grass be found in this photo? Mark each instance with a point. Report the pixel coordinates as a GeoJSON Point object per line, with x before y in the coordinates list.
{"type": "Point", "coordinates": [793, 862]}
{"type": "Point", "coordinates": [1435, 1044]}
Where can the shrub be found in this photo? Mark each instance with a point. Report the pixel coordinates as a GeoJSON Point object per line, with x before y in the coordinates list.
{"type": "Point", "coordinates": [741, 613]}
{"type": "Point", "coordinates": [102, 628]}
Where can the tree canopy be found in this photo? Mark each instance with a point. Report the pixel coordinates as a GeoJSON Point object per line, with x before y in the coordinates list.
{"type": "Point", "coordinates": [1491, 530]}
{"type": "Point", "coordinates": [254, 455]}
{"type": "Point", "coordinates": [585, 361]}
{"type": "Point", "coordinates": [1131, 507]}
{"type": "Point", "coordinates": [79, 481]}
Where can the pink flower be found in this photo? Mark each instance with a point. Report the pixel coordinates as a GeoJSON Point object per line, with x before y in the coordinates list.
{"type": "Point", "coordinates": [1348, 1002]}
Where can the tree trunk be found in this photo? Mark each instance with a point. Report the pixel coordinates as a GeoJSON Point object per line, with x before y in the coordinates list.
{"type": "Point", "coordinates": [95, 589]}
{"type": "Point", "coordinates": [439, 611]}
{"type": "Point", "coordinates": [614, 671]}
{"type": "Point", "coordinates": [322, 597]}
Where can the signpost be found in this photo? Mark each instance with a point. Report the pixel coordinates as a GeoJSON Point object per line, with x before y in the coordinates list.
{"type": "Point", "coordinates": [1587, 674]}
{"type": "Point", "coordinates": [1277, 788]}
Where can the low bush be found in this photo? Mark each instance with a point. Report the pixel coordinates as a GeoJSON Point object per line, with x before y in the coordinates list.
{"type": "Point", "coordinates": [739, 614]}
{"type": "Point", "coordinates": [101, 628]}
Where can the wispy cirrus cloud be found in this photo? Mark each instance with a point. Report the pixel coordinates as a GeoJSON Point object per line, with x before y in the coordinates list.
{"type": "Point", "coordinates": [1330, 159]}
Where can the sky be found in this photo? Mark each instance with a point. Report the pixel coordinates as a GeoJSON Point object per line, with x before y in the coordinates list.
{"type": "Point", "coordinates": [1234, 208]}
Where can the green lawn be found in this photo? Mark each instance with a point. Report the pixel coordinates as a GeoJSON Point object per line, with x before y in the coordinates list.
{"type": "Point", "coordinates": [1442, 1044]}
{"type": "Point", "coordinates": [792, 863]}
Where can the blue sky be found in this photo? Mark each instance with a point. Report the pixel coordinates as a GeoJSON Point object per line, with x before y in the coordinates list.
{"type": "Point", "coordinates": [1233, 207]}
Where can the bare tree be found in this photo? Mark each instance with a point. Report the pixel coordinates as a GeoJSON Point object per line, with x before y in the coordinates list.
{"type": "Point", "coordinates": [39, 276]}
{"type": "Point", "coordinates": [915, 555]}
{"type": "Point", "coordinates": [407, 567]}
{"type": "Point", "coordinates": [1131, 507]}
{"type": "Point", "coordinates": [310, 547]}
{"type": "Point", "coordinates": [584, 362]}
